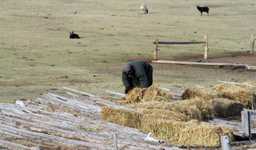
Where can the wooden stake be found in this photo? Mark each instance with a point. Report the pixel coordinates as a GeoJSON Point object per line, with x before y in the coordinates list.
{"type": "Point", "coordinates": [156, 50]}
{"type": "Point", "coordinates": [252, 43]}
{"type": "Point", "coordinates": [254, 101]}
{"type": "Point", "coordinates": [206, 47]}
{"type": "Point", "coordinates": [115, 141]}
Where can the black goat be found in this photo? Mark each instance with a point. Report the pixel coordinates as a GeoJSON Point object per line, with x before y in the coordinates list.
{"type": "Point", "coordinates": [146, 11]}
{"type": "Point", "coordinates": [144, 8]}
{"type": "Point", "coordinates": [73, 35]}
{"type": "Point", "coordinates": [203, 9]}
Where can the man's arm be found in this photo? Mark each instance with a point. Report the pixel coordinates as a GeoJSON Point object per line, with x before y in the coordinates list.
{"type": "Point", "coordinates": [127, 82]}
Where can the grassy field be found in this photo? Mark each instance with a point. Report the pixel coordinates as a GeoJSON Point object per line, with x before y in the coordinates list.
{"type": "Point", "coordinates": [36, 54]}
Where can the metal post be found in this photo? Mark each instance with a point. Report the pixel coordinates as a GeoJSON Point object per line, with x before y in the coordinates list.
{"type": "Point", "coordinates": [249, 125]}
{"type": "Point", "coordinates": [254, 101]}
{"type": "Point", "coordinates": [206, 47]}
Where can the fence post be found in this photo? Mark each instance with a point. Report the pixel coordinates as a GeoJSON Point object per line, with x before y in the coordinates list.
{"type": "Point", "coordinates": [206, 47]}
{"type": "Point", "coordinates": [254, 101]}
{"type": "Point", "coordinates": [156, 50]}
{"type": "Point", "coordinates": [252, 43]}
{"type": "Point", "coordinates": [115, 141]}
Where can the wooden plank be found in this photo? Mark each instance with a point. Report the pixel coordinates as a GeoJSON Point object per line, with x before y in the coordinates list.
{"type": "Point", "coordinates": [115, 93]}
{"type": "Point", "coordinates": [43, 138]}
{"type": "Point", "coordinates": [236, 83]}
{"type": "Point", "coordinates": [206, 47]}
{"type": "Point", "coordinates": [80, 92]}
{"type": "Point", "coordinates": [251, 67]}
{"type": "Point", "coordinates": [199, 63]}
{"type": "Point", "coordinates": [13, 146]}
{"type": "Point", "coordinates": [178, 43]}
{"type": "Point", "coordinates": [33, 125]}
{"type": "Point", "coordinates": [97, 101]}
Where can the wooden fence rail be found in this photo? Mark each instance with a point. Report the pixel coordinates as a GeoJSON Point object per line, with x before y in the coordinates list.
{"type": "Point", "coordinates": [157, 43]}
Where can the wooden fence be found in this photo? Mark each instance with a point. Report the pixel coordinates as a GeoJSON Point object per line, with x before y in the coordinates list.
{"type": "Point", "coordinates": [157, 43]}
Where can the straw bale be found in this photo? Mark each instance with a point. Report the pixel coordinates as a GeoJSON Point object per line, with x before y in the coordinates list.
{"type": "Point", "coordinates": [122, 117]}
{"type": "Point", "coordinates": [170, 125]}
{"type": "Point", "coordinates": [196, 108]}
{"type": "Point", "coordinates": [192, 133]}
{"type": "Point", "coordinates": [197, 92]}
{"type": "Point", "coordinates": [152, 105]}
{"type": "Point", "coordinates": [153, 93]}
{"type": "Point", "coordinates": [226, 108]}
{"type": "Point", "coordinates": [177, 122]}
{"type": "Point", "coordinates": [239, 93]}
{"type": "Point", "coordinates": [156, 114]}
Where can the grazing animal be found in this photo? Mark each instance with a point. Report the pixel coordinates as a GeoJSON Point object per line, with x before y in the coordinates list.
{"type": "Point", "coordinates": [203, 9]}
{"type": "Point", "coordinates": [144, 8]}
{"type": "Point", "coordinates": [73, 35]}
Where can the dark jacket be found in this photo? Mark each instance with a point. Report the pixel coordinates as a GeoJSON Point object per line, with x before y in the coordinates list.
{"type": "Point", "coordinates": [137, 74]}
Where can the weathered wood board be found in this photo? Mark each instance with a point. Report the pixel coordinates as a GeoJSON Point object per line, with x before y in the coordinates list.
{"type": "Point", "coordinates": [66, 119]}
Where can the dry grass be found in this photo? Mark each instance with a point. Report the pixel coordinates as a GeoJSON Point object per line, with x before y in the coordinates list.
{"type": "Point", "coordinates": [122, 117]}
{"type": "Point", "coordinates": [192, 133]}
{"type": "Point", "coordinates": [181, 122]}
{"type": "Point", "coordinates": [196, 108]}
{"type": "Point", "coordinates": [200, 92]}
{"type": "Point", "coordinates": [36, 53]}
{"type": "Point", "coordinates": [227, 108]}
{"type": "Point", "coordinates": [169, 126]}
{"type": "Point", "coordinates": [162, 114]}
{"type": "Point", "coordinates": [134, 96]}
{"type": "Point", "coordinates": [153, 93]}
{"type": "Point", "coordinates": [242, 94]}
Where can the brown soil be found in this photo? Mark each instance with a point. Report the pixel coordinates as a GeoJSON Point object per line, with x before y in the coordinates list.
{"type": "Point", "coordinates": [237, 57]}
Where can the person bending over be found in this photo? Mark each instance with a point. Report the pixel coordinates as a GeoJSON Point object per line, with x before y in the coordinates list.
{"type": "Point", "coordinates": [137, 74]}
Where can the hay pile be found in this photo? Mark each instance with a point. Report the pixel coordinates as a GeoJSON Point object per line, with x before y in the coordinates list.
{"type": "Point", "coordinates": [182, 122]}
{"type": "Point", "coordinates": [162, 114]}
{"type": "Point", "coordinates": [169, 126]}
{"type": "Point", "coordinates": [197, 92]}
{"type": "Point", "coordinates": [186, 110]}
{"type": "Point", "coordinates": [226, 108]}
{"type": "Point", "coordinates": [152, 93]}
{"type": "Point", "coordinates": [240, 93]}
{"type": "Point", "coordinates": [192, 133]}
{"type": "Point", "coordinates": [122, 117]}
